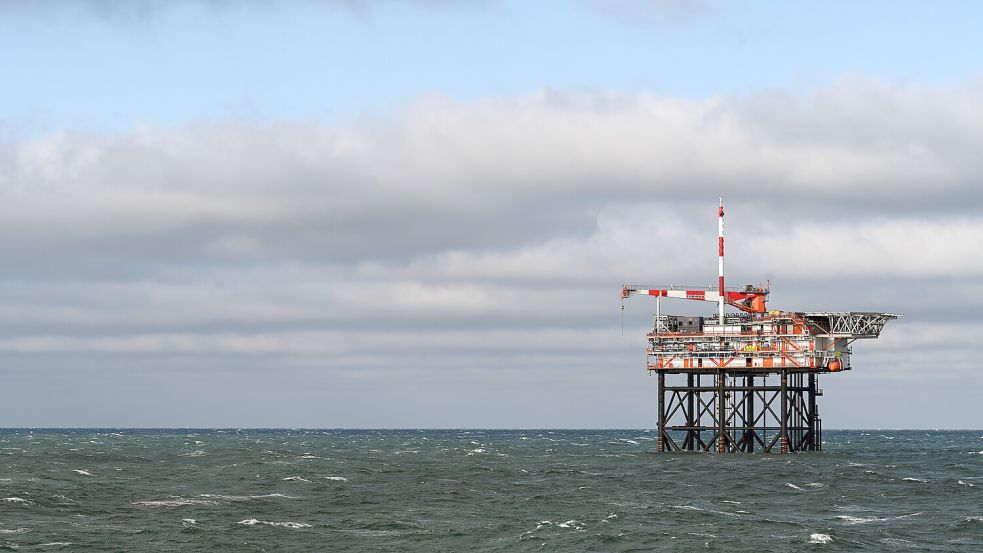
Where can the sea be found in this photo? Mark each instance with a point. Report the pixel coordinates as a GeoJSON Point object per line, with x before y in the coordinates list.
{"type": "Point", "coordinates": [482, 490]}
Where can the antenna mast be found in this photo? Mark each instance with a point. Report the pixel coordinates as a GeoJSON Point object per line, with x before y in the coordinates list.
{"type": "Point", "coordinates": [720, 238]}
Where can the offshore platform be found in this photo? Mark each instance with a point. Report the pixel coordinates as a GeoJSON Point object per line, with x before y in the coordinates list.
{"type": "Point", "coordinates": [745, 381]}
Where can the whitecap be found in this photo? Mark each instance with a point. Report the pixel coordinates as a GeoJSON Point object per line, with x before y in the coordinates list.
{"type": "Point", "coordinates": [815, 485]}
{"type": "Point", "coordinates": [244, 497]}
{"type": "Point", "coordinates": [187, 522]}
{"type": "Point", "coordinates": [176, 502]}
{"type": "Point", "coordinates": [970, 484]}
{"type": "Point", "coordinates": [296, 479]}
{"type": "Point", "coordinates": [83, 472]}
{"type": "Point", "coordinates": [55, 544]}
{"type": "Point", "coordinates": [14, 530]}
{"type": "Point", "coordinates": [287, 524]}
{"type": "Point", "coordinates": [195, 453]}
{"type": "Point", "coordinates": [571, 524]}
{"type": "Point", "coordinates": [910, 479]}
{"type": "Point", "coordinates": [849, 519]}
{"type": "Point", "coordinates": [15, 500]}
{"type": "Point", "coordinates": [730, 501]}
{"type": "Point", "coordinates": [335, 478]}
{"type": "Point", "coordinates": [793, 486]}
{"type": "Point", "coordinates": [820, 538]}
{"type": "Point", "coordinates": [897, 542]}
{"type": "Point", "coordinates": [612, 515]}
{"type": "Point", "coordinates": [632, 442]}
{"type": "Point", "coordinates": [686, 507]}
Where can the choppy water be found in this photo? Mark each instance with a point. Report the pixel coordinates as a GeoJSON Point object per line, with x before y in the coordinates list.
{"type": "Point", "coordinates": [334, 490]}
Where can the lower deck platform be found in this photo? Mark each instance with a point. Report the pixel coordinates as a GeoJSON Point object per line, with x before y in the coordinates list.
{"type": "Point", "coordinates": [739, 411]}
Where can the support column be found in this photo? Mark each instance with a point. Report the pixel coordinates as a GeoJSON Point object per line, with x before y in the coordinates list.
{"type": "Point", "coordinates": [699, 424]}
{"type": "Point", "coordinates": [812, 413]}
{"type": "Point", "coordinates": [662, 411]}
{"type": "Point", "coordinates": [749, 415]}
{"type": "Point", "coordinates": [690, 414]}
{"type": "Point", "coordinates": [784, 414]}
{"type": "Point", "coordinates": [721, 413]}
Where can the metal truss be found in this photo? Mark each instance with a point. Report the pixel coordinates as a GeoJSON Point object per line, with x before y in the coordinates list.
{"type": "Point", "coordinates": [853, 324]}
{"type": "Point", "coordinates": [730, 411]}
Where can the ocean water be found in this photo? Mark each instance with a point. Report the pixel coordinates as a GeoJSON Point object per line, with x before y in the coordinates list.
{"type": "Point", "coordinates": [481, 490]}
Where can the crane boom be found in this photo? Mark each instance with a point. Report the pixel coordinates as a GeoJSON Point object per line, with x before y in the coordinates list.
{"type": "Point", "coordinates": [751, 299]}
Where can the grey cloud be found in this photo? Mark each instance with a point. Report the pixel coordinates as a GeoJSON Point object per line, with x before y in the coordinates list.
{"type": "Point", "coordinates": [463, 244]}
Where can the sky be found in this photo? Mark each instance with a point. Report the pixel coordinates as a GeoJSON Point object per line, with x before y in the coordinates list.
{"type": "Point", "coordinates": [381, 213]}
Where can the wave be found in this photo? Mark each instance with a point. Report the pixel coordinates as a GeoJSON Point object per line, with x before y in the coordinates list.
{"type": "Point", "coordinates": [244, 497]}
{"type": "Point", "coordinates": [686, 507]}
{"type": "Point", "coordinates": [851, 520]}
{"type": "Point", "coordinates": [176, 502]}
{"type": "Point", "coordinates": [287, 524]}
{"type": "Point", "coordinates": [820, 538]}
{"type": "Point", "coordinates": [897, 542]}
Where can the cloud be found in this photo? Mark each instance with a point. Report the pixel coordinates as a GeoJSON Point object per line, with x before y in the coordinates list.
{"type": "Point", "coordinates": [486, 241]}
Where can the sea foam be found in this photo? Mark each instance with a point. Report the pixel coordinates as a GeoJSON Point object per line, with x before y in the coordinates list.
{"type": "Point", "coordinates": [820, 538]}
{"type": "Point", "coordinates": [287, 524]}
{"type": "Point", "coordinates": [175, 502]}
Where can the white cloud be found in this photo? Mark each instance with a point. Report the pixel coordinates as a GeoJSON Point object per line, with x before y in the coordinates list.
{"type": "Point", "coordinates": [492, 234]}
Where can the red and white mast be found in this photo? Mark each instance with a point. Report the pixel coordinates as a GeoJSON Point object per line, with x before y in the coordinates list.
{"type": "Point", "coordinates": [720, 238]}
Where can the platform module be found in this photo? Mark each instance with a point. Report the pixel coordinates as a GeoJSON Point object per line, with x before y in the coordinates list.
{"type": "Point", "coordinates": [745, 381]}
